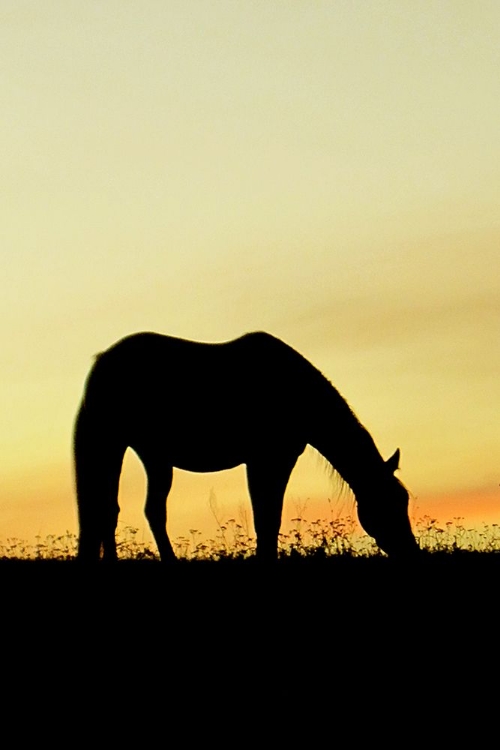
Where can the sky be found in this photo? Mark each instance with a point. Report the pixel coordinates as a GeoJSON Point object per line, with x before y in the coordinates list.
{"type": "Point", "coordinates": [326, 172]}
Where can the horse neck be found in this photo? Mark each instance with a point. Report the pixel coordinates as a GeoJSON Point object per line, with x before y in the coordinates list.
{"type": "Point", "coordinates": [345, 442]}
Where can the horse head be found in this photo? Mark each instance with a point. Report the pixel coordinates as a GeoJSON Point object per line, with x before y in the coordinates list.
{"type": "Point", "coordinates": [383, 511]}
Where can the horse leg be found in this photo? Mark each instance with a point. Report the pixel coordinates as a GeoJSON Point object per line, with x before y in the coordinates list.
{"type": "Point", "coordinates": [110, 507]}
{"type": "Point", "coordinates": [267, 483]}
{"type": "Point", "coordinates": [109, 524]}
{"type": "Point", "coordinates": [159, 483]}
{"type": "Point", "coordinates": [89, 544]}
{"type": "Point", "coordinates": [97, 477]}
{"type": "Point", "coordinates": [99, 530]}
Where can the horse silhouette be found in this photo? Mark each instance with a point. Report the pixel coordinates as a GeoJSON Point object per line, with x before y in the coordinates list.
{"type": "Point", "coordinates": [207, 407]}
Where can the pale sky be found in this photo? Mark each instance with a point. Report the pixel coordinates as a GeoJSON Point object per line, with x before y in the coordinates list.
{"type": "Point", "coordinates": [326, 171]}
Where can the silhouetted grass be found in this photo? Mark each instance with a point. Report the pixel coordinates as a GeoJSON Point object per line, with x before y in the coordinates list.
{"type": "Point", "coordinates": [320, 539]}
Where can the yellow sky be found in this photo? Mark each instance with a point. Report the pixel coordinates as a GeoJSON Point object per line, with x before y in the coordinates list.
{"type": "Point", "coordinates": [328, 172]}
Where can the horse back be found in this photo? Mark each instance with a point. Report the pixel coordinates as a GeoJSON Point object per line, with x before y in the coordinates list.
{"type": "Point", "coordinates": [255, 388]}
{"type": "Point", "coordinates": [254, 369]}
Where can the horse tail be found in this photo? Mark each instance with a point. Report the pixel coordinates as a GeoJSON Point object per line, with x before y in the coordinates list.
{"type": "Point", "coordinates": [98, 457]}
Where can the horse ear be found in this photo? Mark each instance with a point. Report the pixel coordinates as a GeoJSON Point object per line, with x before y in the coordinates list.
{"type": "Point", "coordinates": [392, 463]}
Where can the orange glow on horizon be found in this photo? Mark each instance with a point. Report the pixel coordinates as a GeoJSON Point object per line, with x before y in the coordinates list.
{"type": "Point", "coordinates": [471, 507]}
{"type": "Point", "coordinates": [39, 508]}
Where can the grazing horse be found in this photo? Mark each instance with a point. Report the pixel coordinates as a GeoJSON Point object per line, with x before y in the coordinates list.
{"type": "Point", "coordinates": [207, 407]}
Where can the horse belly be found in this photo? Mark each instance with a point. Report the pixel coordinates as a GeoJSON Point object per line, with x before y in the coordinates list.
{"type": "Point", "coordinates": [204, 461]}
{"type": "Point", "coordinates": [199, 445]}
{"type": "Point", "coordinates": [213, 425]}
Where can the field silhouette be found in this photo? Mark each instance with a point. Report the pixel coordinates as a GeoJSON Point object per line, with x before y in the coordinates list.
{"type": "Point", "coordinates": [332, 608]}
{"type": "Point", "coordinates": [318, 540]}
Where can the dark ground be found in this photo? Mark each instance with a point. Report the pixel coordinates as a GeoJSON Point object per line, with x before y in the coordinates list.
{"type": "Point", "coordinates": [459, 585]}
{"type": "Point", "coordinates": [302, 645]}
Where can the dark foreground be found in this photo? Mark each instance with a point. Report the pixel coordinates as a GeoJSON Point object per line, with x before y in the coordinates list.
{"type": "Point", "coordinates": [327, 590]}
{"type": "Point", "coordinates": [297, 645]}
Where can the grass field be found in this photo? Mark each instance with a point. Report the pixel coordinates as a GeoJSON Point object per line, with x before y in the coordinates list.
{"type": "Point", "coordinates": [319, 539]}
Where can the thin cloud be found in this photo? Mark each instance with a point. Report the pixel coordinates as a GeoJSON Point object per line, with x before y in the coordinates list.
{"type": "Point", "coordinates": [369, 322]}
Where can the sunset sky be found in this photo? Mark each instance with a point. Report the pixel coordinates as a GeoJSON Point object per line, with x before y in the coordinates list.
{"type": "Point", "coordinates": [325, 171]}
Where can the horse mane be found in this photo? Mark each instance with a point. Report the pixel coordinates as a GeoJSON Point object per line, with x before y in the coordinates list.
{"type": "Point", "coordinates": [328, 393]}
